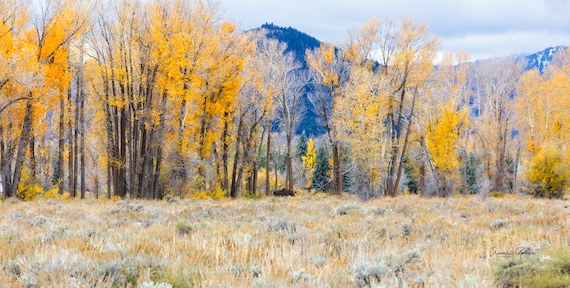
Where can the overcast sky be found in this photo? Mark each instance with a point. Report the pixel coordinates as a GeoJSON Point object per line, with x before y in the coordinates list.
{"type": "Point", "coordinates": [483, 28]}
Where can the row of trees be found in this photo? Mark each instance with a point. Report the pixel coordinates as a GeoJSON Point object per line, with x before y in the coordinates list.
{"type": "Point", "coordinates": [455, 127]}
{"type": "Point", "coordinates": [144, 99]}
{"type": "Point", "coordinates": [148, 97]}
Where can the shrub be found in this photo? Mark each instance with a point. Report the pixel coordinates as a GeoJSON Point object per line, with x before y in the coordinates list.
{"type": "Point", "coordinates": [368, 275]}
{"type": "Point", "coordinates": [166, 277]}
{"type": "Point", "coordinates": [53, 194]}
{"type": "Point", "coordinates": [183, 228]}
{"type": "Point", "coordinates": [28, 188]}
{"type": "Point", "coordinates": [546, 175]}
{"type": "Point", "coordinates": [499, 224]}
{"type": "Point", "coordinates": [532, 271]}
{"type": "Point", "coordinates": [250, 195]}
{"type": "Point", "coordinates": [199, 195]}
{"type": "Point", "coordinates": [496, 194]}
{"type": "Point", "coordinates": [412, 256]}
{"type": "Point", "coordinates": [219, 192]}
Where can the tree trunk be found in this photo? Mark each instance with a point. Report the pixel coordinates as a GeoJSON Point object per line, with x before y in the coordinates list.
{"type": "Point", "coordinates": [23, 142]}
{"type": "Point", "coordinates": [81, 128]}
{"type": "Point", "coordinates": [517, 160]}
{"type": "Point", "coordinates": [121, 189]}
{"type": "Point", "coordinates": [61, 146]}
{"type": "Point", "coordinates": [337, 169]}
{"type": "Point", "coordinates": [225, 151]}
{"type": "Point", "coordinates": [501, 171]}
{"type": "Point", "coordinates": [71, 154]}
{"type": "Point", "coordinates": [395, 166]}
{"type": "Point", "coordinates": [268, 160]}
{"type": "Point", "coordinates": [157, 188]}
{"type": "Point", "coordinates": [32, 146]}
{"type": "Point", "coordinates": [289, 163]}
{"type": "Point", "coordinates": [234, 193]}
{"type": "Point", "coordinates": [404, 146]}
{"type": "Point", "coordinates": [76, 145]}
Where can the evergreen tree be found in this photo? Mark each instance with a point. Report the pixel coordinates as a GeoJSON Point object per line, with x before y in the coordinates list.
{"type": "Point", "coordinates": [470, 171]}
{"type": "Point", "coordinates": [301, 146]}
{"type": "Point", "coordinates": [321, 176]}
{"type": "Point", "coordinates": [346, 174]}
{"type": "Point", "coordinates": [411, 182]}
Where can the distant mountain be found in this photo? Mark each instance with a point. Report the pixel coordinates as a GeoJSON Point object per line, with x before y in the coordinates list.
{"type": "Point", "coordinates": [297, 41]}
{"type": "Point", "coordinates": [542, 59]}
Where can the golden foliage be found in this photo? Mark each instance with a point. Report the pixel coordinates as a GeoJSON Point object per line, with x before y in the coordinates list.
{"type": "Point", "coordinates": [53, 194]}
{"type": "Point", "coordinates": [442, 139]}
{"type": "Point", "coordinates": [310, 161]}
{"type": "Point", "coordinates": [542, 116]}
{"type": "Point", "coordinates": [28, 189]}
{"type": "Point", "coordinates": [547, 174]}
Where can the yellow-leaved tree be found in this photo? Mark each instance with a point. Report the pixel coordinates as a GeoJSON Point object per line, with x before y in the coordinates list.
{"type": "Point", "coordinates": [443, 120]}
{"type": "Point", "coordinates": [542, 118]}
{"type": "Point", "coordinates": [359, 116]}
{"type": "Point", "coordinates": [442, 139]}
{"type": "Point", "coordinates": [327, 65]}
{"type": "Point", "coordinates": [17, 79]}
{"type": "Point", "coordinates": [310, 161]}
{"type": "Point", "coordinates": [390, 64]}
{"type": "Point", "coordinates": [35, 46]}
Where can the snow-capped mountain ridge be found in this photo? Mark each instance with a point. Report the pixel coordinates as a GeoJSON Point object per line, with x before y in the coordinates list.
{"type": "Point", "coordinates": [542, 59]}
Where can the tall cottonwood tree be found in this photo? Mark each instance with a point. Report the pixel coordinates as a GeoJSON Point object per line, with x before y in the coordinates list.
{"type": "Point", "coordinates": [495, 82]}
{"type": "Point", "coordinates": [47, 39]}
{"type": "Point", "coordinates": [358, 116]}
{"type": "Point", "coordinates": [272, 91]}
{"type": "Point", "coordinates": [255, 106]}
{"type": "Point", "coordinates": [542, 104]}
{"type": "Point", "coordinates": [407, 52]}
{"type": "Point", "coordinates": [166, 65]}
{"type": "Point", "coordinates": [222, 79]}
{"type": "Point", "coordinates": [329, 68]}
{"type": "Point", "coordinates": [182, 30]}
{"type": "Point", "coordinates": [18, 79]}
{"type": "Point", "coordinates": [128, 66]}
{"type": "Point", "coordinates": [289, 106]}
{"type": "Point", "coordinates": [443, 126]}
{"type": "Point", "coordinates": [268, 62]}
{"type": "Point", "coordinates": [404, 53]}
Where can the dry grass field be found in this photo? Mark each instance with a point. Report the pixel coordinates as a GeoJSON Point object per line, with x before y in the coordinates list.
{"type": "Point", "coordinates": [305, 241]}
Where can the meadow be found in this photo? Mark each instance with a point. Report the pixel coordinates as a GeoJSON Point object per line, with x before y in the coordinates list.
{"type": "Point", "coordinates": [302, 241]}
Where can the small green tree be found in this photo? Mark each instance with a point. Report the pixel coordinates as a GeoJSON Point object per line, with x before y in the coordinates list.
{"type": "Point", "coordinates": [302, 146]}
{"type": "Point", "coordinates": [321, 176]}
{"type": "Point", "coordinates": [346, 175]}
{"type": "Point", "coordinates": [411, 183]}
{"type": "Point", "coordinates": [469, 172]}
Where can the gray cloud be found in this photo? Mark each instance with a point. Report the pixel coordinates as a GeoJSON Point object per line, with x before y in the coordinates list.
{"type": "Point", "coordinates": [482, 28]}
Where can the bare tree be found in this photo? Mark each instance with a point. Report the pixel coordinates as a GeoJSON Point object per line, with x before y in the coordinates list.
{"type": "Point", "coordinates": [494, 83]}
{"type": "Point", "coordinates": [329, 70]}
{"type": "Point", "coordinates": [290, 108]}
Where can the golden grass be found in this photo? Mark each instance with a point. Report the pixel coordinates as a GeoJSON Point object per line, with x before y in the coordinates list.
{"type": "Point", "coordinates": [274, 242]}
